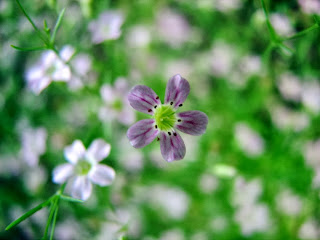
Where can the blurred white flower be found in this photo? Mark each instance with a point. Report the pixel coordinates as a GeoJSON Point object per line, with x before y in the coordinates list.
{"type": "Point", "coordinates": [309, 230]}
{"type": "Point", "coordinates": [221, 59]}
{"type": "Point", "coordinates": [131, 160]}
{"type": "Point", "coordinates": [286, 119]}
{"type": "Point", "coordinates": [172, 28]}
{"type": "Point", "coordinates": [81, 69]}
{"type": "Point", "coordinates": [116, 103]}
{"type": "Point", "coordinates": [312, 153]}
{"type": "Point", "coordinates": [251, 143]}
{"type": "Point", "coordinates": [310, 6]}
{"type": "Point", "coordinates": [10, 166]}
{"type": "Point", "coordinates": [173, 201]}
{"type": "Point", "coordinates": [246, 192]}
{"type": "Point", "coordinates": [70, 229]}
{"type": "Point", "coordinates": [227, 5]}
{"type": "Point", "coordinates": [85, 168]}
{"type": "Point", "coordinates": [208, 183]}
{"type": "Point", "coordinates": [139, 36]}
{"type": "Point", "coordinates": [290, 87]}
{"type": "Point", "coordinates": [50, 67]}
{"type": "Point", "coordinates": [288, 203]}
{"type": "Point", "coordinates": [172, 234]}
{"type": "Point", "coordinates": [253, 218]}
{"type": "Point", "coordinates": [311, 96]}
{"type": "Point", "coordinates": [281, 24]}
{"type": "Point", "coordinates": [33, 141]}
{"type": "Point", "coordinates": [35, 178]}
{"type": "Point", "coordinates": [219, 223]}
{"type": "Point", "coordinates": [107, 26]}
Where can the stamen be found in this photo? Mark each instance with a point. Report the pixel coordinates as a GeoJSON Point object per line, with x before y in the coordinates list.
{"type": "Point", "coordinates": [150, 110]}
{"type": "Point", "coordinates": [171, 103]}
{"type": "Point", "coordinates": [157, 97]}
{"type": "Point", "coordinates": [174, 134]}
{"type": "Point", "coordinates": [169, 133]}
{"type": "Point", "coordinates": [180, 105]}
{"type": "Point", "coordinates": [156, 126]}
{"type": "Point", "coordinates": [155, 106]}
{"type": "Point", "coordinates": [179, 120]}
{"type": "Point", "coordinates": [158, 139]}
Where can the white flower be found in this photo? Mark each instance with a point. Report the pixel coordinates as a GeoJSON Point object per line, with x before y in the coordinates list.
{"type": "Point", "coordinates": [85, 168]}
{"type": "Point", "coordinates": [309, 230]}
{"type": "Point", "coordinates": [33, 145]}
{"type": "Point", "coordinates": [106, 27]}
{"type": "Point", "coordinates": [249, 140]}
{"type": "Point", "coordinates": [310, 6]}
{"type": "Point", "coordinates": [253, 218]}
{"type": "Point", "coordinates": [288, 203]}
{"type": "Point", "coordinates": [172, 28]}
{"type": "Point", "coordinates": [246, 192]}
{"type": "Point", "coordinates": [290, 87]}
{"type": "Point", "coordinates": [227, 5]}
{"type": "Point", "coordinates": [50, 67]}
{"type": "Point", "coordinates": [311, 96]}
{"type": "Point", "coordinates": [281, 24]}
{"type": "Point", "coordinates": [116, 103]}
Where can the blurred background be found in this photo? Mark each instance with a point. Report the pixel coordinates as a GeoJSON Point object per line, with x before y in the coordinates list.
{"type": "Point", "coordinates": [254, 174]}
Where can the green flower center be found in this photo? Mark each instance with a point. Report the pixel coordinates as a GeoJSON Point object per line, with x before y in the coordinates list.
{"type": "Point", "coordinates": [83, 167]}
{"type": "Point", "coordinates": [117, 105]}
{"type": "Point", "coordinates": [165, 117]}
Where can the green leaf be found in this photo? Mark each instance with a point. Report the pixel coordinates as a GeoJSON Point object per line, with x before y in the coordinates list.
{"type": "Point", "coordinates": [29, 213]}
{"type": "Point", "coordinates": [70, 199]}
{"type": "Point", "coordinates": [29, 49]}
{"type": "Point", "coordinates": [40, 34]}
{"type": "Point", "coordinates": [56, 27]}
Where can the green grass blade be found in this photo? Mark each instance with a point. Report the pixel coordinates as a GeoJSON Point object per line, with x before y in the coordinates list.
{"type": "Point", "coordinates": [70, 199]}
{"type": "Point", "coordinates": [28, 214]}
{"type": "Point", "coordinates": [56, 27]}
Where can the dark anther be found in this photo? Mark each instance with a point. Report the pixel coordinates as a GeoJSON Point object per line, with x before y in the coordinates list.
{"type": "Point", "coordinates": [156, 126]}
{"type": "Point", "coordinates": [179, 120]}
{"type": "Point", "coordinates": [157, 97]}
{"type": "Point", "coordinates": [155, 106]}
{"type": "Point", "coordinates": [174, 134]}
{"type": "Point", "coordinates": [171, 103]}
{"type": "Point", "coordinates": [180, 105]}
{"type": "Point", "coordinates": [158, 139]}
{"type": "Point", "coordinates": [169, 133]}
{"type": "Point", "coordinates": [150, 110]}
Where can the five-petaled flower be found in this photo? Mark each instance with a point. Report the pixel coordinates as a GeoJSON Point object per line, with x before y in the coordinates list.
{"type": "Point", "coordinates": [83, 166]}
{"type": "Point", "coordinates": [165, 120]}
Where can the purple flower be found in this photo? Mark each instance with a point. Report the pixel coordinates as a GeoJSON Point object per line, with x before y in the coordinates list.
{"type": "Point", "coordinates": [165, 121]}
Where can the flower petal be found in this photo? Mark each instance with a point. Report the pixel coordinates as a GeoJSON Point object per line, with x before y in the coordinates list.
{"type": "Point", "coordinates": [98, 150]}
{"type": "Point", "coordinates": [192, 122]}
{"type": "Point", "coordinates": [81, 188]}
{"type": "Point", "coordinates": [172, 146]}
{"type": "Point", "coordinates": [177, 91]}
{"type": "Point", "coordinates": [142, 133]}
{"type": "Point", "coordinates": [143, 99]}
{"type": "Point", "coordinates": [102, 175]}
{"type": "Point", "coordinates": [62, 172]}
{"type": "Point", "coordinates": [74, 152]}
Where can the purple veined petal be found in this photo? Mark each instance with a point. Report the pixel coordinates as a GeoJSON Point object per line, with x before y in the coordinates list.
{"type": "Point", "coordinates": [102, 175]}
{"type": "Point", "coordinates": [62, 172]}
{"type": "Point", "coordinates": [74, 152]}
{"type": "Point", "coordinates": [192, 122]}
{"type": "Point", "coordinates": [143, 99]}
{"type": "Point", "coordinates": [98, 150]}
{"type": "Point", "coordinates": [142, 133]}
{"type": "Point", "coordinates": [172, 146]}
{"type": "Point", "coordinates": [177, 91]}
{"type": "Point", "coordinates": [81, 188]}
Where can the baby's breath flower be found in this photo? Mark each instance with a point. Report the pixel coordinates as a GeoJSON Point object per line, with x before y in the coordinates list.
{"type": "Point", "coordinates": [84, 167]}
{"type": "Point", "coordinates": [165, 120]}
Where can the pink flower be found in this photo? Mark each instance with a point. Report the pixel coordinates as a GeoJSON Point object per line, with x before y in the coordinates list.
{"type": "Point", "coordinates": [165, 120]}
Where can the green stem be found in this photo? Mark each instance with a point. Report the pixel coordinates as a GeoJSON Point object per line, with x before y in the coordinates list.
{"type": "Point", "coordinates": [29, 213]}
{"type": "Point", "coordinates": [54, 220]}
{"type": "Point", "coordinates": [272, 32]}
{"type": "Point", "coordinates": [299, 34]}
{"type": "Point", "coordinates": [52, 210]}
